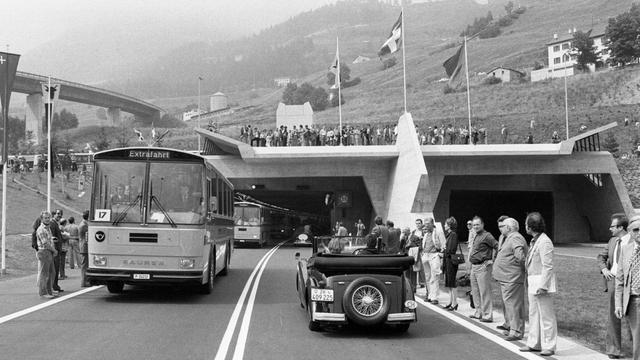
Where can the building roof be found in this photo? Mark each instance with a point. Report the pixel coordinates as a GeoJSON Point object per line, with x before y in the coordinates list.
{"type": "Point", "coordinates": [506, 68]}
{"type": "Point", "coordinates": [294, 110]}
{"type": "Point", "coordinates": [596, 31]}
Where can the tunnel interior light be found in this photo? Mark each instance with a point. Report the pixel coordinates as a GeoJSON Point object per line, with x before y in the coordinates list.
{"type": "Point", "coordinates": [257, 186]}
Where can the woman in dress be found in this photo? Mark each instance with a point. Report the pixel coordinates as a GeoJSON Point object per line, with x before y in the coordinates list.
{"type": "Point", "coordinates": [451, 269]}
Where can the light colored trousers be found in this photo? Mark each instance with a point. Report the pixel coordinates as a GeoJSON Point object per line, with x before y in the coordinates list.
{"type": "Point", "coordinates": [481, 289]}
{"type": "Point", "coordinates": [543, 329]}
{"type": "Point", "coordinates": [432, 265]}
{"type": "Point", "coordinates": [633, 318]}
{"type": "Point", "coordinates": [513, 298]}
{"type": "Point", "coordinates": [614, 327]}
{"type": "Point", "coordinates": [46, 272]}
{"type": "Point", "coordinates": [74, 253]}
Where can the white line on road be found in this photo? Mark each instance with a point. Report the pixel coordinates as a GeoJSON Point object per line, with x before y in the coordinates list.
{"type": "Point", "coordinates": [576, 256]}
{"type": "Point", "coordinates": [238, 354]}
{"type": "Point", "coordinates": [228, 334]}
{"type": "Point", "coordinates": [20, 313]}
{"type": "Point", "coordinates": [480, 331]}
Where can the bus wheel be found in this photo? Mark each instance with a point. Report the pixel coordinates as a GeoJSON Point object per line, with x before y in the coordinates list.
{"type": "Point", "coordinates": [208, 287]}
{"type": "Point", "coordinates": [115, 287]}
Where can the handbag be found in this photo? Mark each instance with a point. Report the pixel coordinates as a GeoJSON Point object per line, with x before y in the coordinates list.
{"type": "Point", "coordinates": [456, 258]}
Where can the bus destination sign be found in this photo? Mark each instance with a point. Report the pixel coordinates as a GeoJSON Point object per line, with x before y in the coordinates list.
{"type": "Point", "coordinates": [149, 154]}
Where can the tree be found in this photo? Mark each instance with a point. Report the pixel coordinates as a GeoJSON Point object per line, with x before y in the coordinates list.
{"type": "Point", "coordinates": [15, 133]}
{"type": "Point", "coordinates": [294, 95]}
{"type": "Point", "coordinates": [623, 33]}
{"type": "Point", "coordinates": [345, 75]}
{"type": "Point", "coordinates": [101, 142]}
{"type": "Point", "coordinates": [64, 120]}
{"type": "Point", "coordinates": [584, 50]}
{"type": "Point", "coordinates": [611, 144]}
{"type": "Point", "coordinates": [509, 7]}
{"type": "Point", "coordinates": [289, 94]}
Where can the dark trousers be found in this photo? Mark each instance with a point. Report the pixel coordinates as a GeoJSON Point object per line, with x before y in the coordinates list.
{"type": "Point", "coordinates": [614, 327]}
{"type": "Point", "coordinates": [56, 266]}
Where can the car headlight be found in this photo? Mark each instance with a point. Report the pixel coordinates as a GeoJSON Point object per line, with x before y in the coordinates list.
{"type": "Point", "coordinates": [187, 263]}
{"type": "Point", "coordinates": [99, 260]}
{"type": "Point", "coordinates": [410, 304]}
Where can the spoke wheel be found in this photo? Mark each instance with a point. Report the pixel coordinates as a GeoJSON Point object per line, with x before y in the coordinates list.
{"type": "Point", "coordinates": [367, 300]}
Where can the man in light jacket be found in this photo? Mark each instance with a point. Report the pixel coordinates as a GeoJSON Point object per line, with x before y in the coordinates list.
{"type": "Point", "coordinates": [628, 284]}
{"type": "Point", "coordinates": [543, 328]}
{"type": "Point", "coordinates": [508, 270]}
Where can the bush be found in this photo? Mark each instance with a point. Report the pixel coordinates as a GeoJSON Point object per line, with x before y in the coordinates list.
{"type": "Point", "coordinates": [492, 80]}
{"type": "Point", "coordinates": [505, 21]}
{"type": "Point", "coordinates": [611, 144]}
{"type": "Point", "coordinates": [490, 31]}
{"type": "Point", "coordinates": [390, 62]}
{"type": "Point", "coordinates": [520, 10]}
{"type": "Point", "coordinates": [538, 66]}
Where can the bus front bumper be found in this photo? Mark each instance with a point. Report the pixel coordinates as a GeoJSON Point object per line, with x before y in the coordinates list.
{"type": "Point", "coordinates": [103, 276]}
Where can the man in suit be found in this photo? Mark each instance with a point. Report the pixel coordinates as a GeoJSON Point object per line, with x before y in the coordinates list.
{"type": "Point", "coordinates": [393, 246]}
{"type": "Point", "coordinates": [381, 231]}
{"type": "Point", "coordinates": [543, 328]}
{"type": "Point", "coordinates": [508, 270]}
{"type": "Point", "coordinates": [628, 284]}
{"type": "Point", "coordinates": [608, 261]}
{"type": "Point", "coordinates": [432, 246]}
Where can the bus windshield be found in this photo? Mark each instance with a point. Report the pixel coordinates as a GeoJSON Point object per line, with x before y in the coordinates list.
{"type": "Point", "coordinates": [176, 193]}
{"type": "Point", "coordinates": [247, 215]}
{"type": "Point", "coordinates": [119, 195]}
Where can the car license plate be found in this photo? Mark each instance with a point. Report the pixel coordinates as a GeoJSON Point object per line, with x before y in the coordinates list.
{"type": "Point", "coordinates": [141, 276]}
{"type": "Point", "coordinates": [322, 295]}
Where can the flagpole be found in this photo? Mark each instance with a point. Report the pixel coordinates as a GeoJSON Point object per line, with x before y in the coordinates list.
{"type": "Point", "coordinates": [404, 64]}
{"type": "Point", "coordinates": [5, 173]}
{"type": "Point", "coordinates": [339, 86]}
{"type": "Point", "coordinates": [199, 80]}
{"type": "Point", "coordinates": [49, 108]}
{"type": "Point", "coordinates": [466, 68]}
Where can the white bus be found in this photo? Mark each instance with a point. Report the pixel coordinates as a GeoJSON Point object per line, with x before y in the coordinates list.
{"type": "Point", "coordinates": [158, 216]}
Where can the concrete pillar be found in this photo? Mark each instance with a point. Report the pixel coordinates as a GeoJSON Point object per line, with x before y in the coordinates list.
{"type": "Point", "coordinates": [113, 115]}
{"type": "Point", "coordinates": [34, 114]}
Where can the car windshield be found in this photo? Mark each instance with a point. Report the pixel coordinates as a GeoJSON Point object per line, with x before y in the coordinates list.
{"type": "Point", "coordinates": [118, 191]}
{"type": "Point", "coordinates": [340, 244]}
{"type": "Point", "coordinates": [176, 193]}
{"type": "Point", "coordinates": [246, 215]}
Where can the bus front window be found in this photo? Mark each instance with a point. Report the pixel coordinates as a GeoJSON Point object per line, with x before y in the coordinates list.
{"type": "Point", "coordinates": [118, 192]}
{"type": "Point", "coordinates": [247, 216]}
{"type": "Point", "coordinates": [177, 192]}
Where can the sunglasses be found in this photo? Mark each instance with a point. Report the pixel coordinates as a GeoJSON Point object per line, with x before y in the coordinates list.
{"type": "Point", "coordinates": [635, 230]}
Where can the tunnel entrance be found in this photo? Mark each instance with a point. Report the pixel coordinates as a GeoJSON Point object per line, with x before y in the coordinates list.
{"type": "Point", "coordinates": [490, 205]}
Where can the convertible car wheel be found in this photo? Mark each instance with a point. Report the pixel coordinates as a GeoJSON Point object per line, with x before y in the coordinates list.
{"type": "Point", "coordinates": [366, 302]}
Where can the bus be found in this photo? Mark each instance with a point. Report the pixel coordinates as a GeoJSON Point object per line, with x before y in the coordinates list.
{"type": "Point", "coordinates": [255, 223]}
{"type": "Point", "coordinates": [158, 215]}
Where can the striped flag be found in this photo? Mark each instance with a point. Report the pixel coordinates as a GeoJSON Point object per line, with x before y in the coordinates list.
{"type": "Point", "coordinates": [454, 64]}
{"type": "Point", "coordinates": [394, 42]}
{"type": "Point", "coordinates": [335, 69]}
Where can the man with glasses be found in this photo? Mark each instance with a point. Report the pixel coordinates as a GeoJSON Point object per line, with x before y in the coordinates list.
{"type": "Point", "coordinates": [628, 284]}
{"type": "Point", "coordinates": [608, 262]}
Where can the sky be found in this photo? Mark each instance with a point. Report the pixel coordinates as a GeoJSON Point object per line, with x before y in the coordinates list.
{"type": "Point", "coordinates": [27, 24]}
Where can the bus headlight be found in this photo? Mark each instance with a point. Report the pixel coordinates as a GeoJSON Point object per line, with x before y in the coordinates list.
{"type": "Point", "coordinates": [187, 263]}
{"type": "Point", "coordinates": [99, 260]}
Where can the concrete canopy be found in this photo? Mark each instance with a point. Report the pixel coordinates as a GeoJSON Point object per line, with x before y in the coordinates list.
{"type": "Point", "coordinates": [573, 184]}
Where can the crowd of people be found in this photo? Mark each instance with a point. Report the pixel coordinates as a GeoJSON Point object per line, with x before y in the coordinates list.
{"type": "Point", "coordinates": [385, 134]}
{"type": "Point", "coordinates": [53, 238]}
{"type": "Point", "coordinates": [508, 260]}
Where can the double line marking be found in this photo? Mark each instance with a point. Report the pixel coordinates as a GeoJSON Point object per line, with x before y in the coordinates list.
{"type": "Point", "coordinates": [238, 353]}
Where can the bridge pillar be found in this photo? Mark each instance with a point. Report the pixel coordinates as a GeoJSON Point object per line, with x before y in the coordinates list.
{"type": "Point", "coordinates": [113, 115]}
{"type": "Point", "coordinates": [34, 114]}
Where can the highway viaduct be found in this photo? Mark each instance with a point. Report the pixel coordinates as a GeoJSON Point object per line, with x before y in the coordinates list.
{"type": "Point", "coordinates": [30, 84]}
{"type": "Point", "coordinates": [573, 184]}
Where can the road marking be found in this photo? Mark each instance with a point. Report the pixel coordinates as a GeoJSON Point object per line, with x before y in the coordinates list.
{"type": "Point", "coordinates": [577, 256]}
{"type": "Point", "coordinates": [44, 305]}
{"type": "Point", "coordinates": [238, 354]}
{"type": "Point", "coordinates": [480, 331]}
{"type": "Point", "coordinates": [228, 334]}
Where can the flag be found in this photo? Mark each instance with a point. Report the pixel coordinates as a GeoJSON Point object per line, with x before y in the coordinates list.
{"type": "Point", "coordinates": [140, 137]}
{"type": "Point", "coordinates": [8, 67]}
{"type": "Point", "coordinates": [50, 94]}
{"type": "Point", "coordinates": [335, 69]}
{"type": "Point", "coordinates": [394, 42]}
{"type": "Point", "coordinates": [153, 132]}
{"type": "Point", "coordinates": [454, 64]}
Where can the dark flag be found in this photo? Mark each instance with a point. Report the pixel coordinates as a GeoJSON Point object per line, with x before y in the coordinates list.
{"type": "Point", "coordinates": [454, 64]}
{"type": "Point", "coordinates": [8, 67]}
{"type": "Point", "coordinates": [394, 42]}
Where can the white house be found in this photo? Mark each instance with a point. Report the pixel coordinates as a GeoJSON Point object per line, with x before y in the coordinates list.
{"type": "Point", "coordinates": [290, 115]}
{"type": "Point", "coordinates": [282, 81]}
{"type": "Point", "coordinates": [561, 63]}
{"type": "Point", "coordinates": [505, 74]}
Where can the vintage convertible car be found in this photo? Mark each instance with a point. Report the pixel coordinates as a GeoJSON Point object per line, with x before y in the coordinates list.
{"type": "Point", "coordinates": [339, 286]}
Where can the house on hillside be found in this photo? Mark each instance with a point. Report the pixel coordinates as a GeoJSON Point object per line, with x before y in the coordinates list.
{"type": "Point", "coordinates": [282, 81]}
{"type": "Point", "coordinates": [290, 115]}
{"type": "Point", "coordinates": [361, 59]}
{"type": "Point", "coordinates": [506, 74]}
{"type": "Point", "coordinates": [561, 63]}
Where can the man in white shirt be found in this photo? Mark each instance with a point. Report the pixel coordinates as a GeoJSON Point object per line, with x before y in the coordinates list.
{"type": "Point", "coordinates": [628, 284]}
